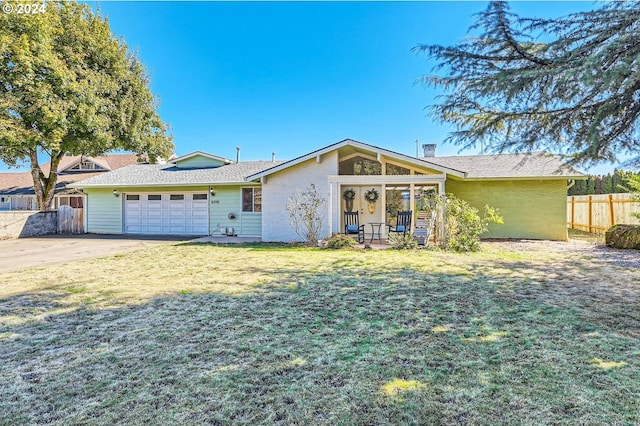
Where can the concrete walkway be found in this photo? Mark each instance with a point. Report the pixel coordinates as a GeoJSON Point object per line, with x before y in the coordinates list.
{"type": "Point", "coordinates": [32, 252]}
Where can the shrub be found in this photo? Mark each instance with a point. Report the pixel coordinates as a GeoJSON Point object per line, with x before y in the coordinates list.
{"type": "Point", "coordinates": [306, 212]}
{"type": "Point", "coordinates": [632, 184]}
{"type": "Point", "coordinates": [465, 225]}
{"type": "Point", "coordinates": [339, 241]}
{"type": "Point", "coordinates": [401, 241]}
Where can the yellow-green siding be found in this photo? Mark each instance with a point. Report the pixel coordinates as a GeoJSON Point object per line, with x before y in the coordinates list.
{"type": "Point", "coordinates": [104, 211]}
{"type": "Point", "coordinates": [533, 209]}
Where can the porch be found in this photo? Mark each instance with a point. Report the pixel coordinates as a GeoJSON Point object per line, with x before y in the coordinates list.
{"type": "Point", "coordinates": [378, 198]}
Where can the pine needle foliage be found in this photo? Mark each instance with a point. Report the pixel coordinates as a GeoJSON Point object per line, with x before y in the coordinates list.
{"type": "Point", "coordinates": [569, 85]}
{"type": "Point", "coordinates": [632, 185]}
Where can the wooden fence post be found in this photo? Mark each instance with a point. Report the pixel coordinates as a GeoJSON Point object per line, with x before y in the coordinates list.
{"type": "Point", "coordinates": [590, 214]}
{"type": "Point", "coordinates": [613, 219]}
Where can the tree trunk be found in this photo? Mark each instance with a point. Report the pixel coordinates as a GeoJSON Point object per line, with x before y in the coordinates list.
{"type": "Point", "coordinates": [44, 186]}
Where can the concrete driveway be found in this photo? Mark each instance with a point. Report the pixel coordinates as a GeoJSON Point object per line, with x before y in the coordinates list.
{"type": "Point", "coordinates": [40, 251]}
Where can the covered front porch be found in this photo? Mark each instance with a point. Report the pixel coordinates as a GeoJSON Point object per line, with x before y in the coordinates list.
{"type": "Point", "coordinates": [377, 199]}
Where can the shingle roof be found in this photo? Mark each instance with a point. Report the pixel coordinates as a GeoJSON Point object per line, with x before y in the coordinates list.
{"type": "Point", "coordinates": [530, 165]}
{"type": "Point", "coordinates": [16, 183]}
{"type": "Point", "coordinates": [503, 166]}
{"type": "Point", "coordinates": [169, 175]}
{"type": "Point", "coordinates": [107, 162]}
{"type": "Point", "coordinates": [21, 183]}
{"type": "Point", "coordinates": [357, 145]}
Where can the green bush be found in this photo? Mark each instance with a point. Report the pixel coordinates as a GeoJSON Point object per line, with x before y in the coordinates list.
{"type": "Point", "coordinates": [401, 241]}
{"type": "Point", "coordinates": [339, 241]}
{"type": "Point", "coordinates": [632, 184]}
{"type": "Point", "coordinates": [465, 225]}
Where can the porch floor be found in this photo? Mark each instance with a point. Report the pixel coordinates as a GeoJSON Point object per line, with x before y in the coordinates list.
{"type": "Point", "coordinates": [376, 245]}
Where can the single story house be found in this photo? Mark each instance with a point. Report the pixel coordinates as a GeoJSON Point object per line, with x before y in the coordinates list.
{"type": "Point", "coordinates": [16, 188]}
{"type": "Point", "coordinates": [204, 194]}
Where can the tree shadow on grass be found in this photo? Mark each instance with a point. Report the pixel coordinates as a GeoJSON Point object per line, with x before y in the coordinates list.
{"type": "Point", "coordinates": [310, 346]}
{"type": "Point", "coordinates": [596, 286]}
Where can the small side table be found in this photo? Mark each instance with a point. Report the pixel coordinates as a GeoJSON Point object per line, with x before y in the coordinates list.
{"type": "Point", "coordinates": [376, 227]}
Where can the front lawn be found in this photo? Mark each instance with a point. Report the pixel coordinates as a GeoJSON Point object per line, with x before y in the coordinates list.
{"type": "Point", "coordinates": [188, 333]}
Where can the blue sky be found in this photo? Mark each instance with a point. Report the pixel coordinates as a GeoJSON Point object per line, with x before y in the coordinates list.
{"type": "Point", "coordinates": [292, 77]}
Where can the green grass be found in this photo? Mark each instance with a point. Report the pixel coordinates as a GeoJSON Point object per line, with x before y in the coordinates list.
{"type": "Point", "coordinates": [259, 334]}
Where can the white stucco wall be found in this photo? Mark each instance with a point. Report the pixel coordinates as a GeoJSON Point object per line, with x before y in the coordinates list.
{"type": "Point", "coordinates": [276, 224]}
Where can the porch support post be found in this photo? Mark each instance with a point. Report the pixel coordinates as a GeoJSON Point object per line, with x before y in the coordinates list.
{"type": "Point", "coordinates": [412, 204]}
{"type": "Point", "coordinates": [443, 225]}
{"type": "Point", "coordinates": [383, 203]}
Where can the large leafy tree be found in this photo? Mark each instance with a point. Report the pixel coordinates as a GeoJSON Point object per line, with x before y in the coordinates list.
{"type": "Point", "coordinates": [69, 87]}
{"type": "Point", "coordinates": [569, 85]}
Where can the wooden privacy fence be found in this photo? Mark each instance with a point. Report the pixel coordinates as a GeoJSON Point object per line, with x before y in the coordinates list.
{"type": "Point", "coordinates": [597, 213]}
{"type": "Point", "coordinates": [70, 220]}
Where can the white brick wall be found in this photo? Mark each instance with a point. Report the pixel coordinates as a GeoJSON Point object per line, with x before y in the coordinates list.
{"type": "Point", "coordinates": [276, 224]}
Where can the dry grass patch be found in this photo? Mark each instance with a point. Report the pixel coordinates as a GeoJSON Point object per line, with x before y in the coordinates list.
{"type": "Point", "coordinates": [260, 334]}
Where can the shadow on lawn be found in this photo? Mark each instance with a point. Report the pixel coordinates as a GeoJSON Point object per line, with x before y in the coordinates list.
{"type": "Point", "coordinates": [597, 287]}
{"type": "Point", "coordinates": [499, 342]}
{"type": "Point", "coordinates": [595, 282]}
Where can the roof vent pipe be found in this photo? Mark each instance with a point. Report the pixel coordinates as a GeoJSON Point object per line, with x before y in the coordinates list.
{"type": "Point", "coordinates": [273, 157]}
{"type": "Point", "coordinates": [429, 149]}
{"type": "Point", "coordinates": [237, 154]}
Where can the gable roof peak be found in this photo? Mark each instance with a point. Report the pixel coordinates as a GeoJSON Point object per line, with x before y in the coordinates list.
{"type": "Point", "coordinates": [361, 145]}
{"type": "Point", "coordinates": [200, 154]}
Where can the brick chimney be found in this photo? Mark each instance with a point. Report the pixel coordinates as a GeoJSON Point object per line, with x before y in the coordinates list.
{"type": "Point", "coordinates": [429, 149]}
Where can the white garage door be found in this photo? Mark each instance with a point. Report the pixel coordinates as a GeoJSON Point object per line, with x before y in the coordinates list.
{"type": "Point", "coordinates": [169, 214]}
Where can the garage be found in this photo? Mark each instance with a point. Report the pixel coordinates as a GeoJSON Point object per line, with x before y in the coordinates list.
{"type": "Point", "coordinates": [166, 214]}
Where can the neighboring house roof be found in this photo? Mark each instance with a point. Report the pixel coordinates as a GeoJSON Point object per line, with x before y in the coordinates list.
{"type": "Point", "coordinates": [170, 175]}
{"type": "Point", "coordinates": [509, 166]}
{"type": "Point", "coordinates": [361, 145]}
{"type": "Point", "coordinates": [16, 183]}
{"type": "Point", "coordinates": [21, 183]}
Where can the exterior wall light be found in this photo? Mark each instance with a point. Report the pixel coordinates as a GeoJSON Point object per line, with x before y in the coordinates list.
{"type": "Point", "coordinates": [212, 191]}
{"type": "Point", "coordinates": [115, 193]}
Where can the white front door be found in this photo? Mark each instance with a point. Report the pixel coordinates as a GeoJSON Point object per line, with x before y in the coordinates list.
{"type": "Point", "coordinates": [166, 214]}
{"type": "Point", "coordinates": [360, 205]}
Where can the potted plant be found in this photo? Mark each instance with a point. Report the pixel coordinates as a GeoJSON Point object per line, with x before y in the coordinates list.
{"type": "Point", "coordinates": [349, 195]}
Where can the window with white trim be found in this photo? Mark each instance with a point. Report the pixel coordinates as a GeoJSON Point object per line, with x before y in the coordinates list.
{"type": "Point", "coordinates": [252, 200]}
